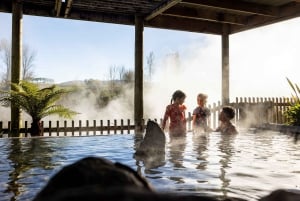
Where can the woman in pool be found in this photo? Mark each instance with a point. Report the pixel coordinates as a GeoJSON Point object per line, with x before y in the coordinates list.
{"type": "Point", "coordinates": [176, 113]}
{"type": "Point", "coordinates": [225, 117]}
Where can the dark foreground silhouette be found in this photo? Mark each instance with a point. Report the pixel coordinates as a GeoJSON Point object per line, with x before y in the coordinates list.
{"type": "Point", "coordinates": [95, 179]}
{"type": "Point", "coordinates": [151, 150]}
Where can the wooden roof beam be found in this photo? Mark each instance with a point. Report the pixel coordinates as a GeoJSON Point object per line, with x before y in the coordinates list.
{"type": "Point", "coordinates": [5, 6]}
{"type": "Point", "coordinates": [101, 17]}
{"type": "Point", "coordinates": [68, 8]}
{"type": "Point", "coordinates": [184, 24]}
{"type": "Point", "coordinates": [162, 8]}
{"type": "Point", "coordinates": [57, 8]}
{"type": "Point", "coordinates": [287, 11]}
{"type": "Point", "coordinates": [236, 6]}
{"type": "Point", "coordinates": [206, 15]}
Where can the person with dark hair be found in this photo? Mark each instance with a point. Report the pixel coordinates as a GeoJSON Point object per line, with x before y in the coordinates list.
{"type": "Point", "coordinates": [225, 117]}
{"type": "Point", "coordinates": [176, 113]}
{"type": "Point", "coordinates": [200, 115]}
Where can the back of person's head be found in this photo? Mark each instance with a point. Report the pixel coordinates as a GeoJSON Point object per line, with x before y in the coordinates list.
{"type": "Point", "coordinates": [177, 95]}
{"type": "Point", "coordinates": [202, 96]}
{"type": "Point", "coordinates": [229, 111]}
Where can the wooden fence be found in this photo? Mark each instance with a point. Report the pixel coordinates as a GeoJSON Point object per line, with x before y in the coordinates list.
{"type": "Point", "coordinates": [249, 113]}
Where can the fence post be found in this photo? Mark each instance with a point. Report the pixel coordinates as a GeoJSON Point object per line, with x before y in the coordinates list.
{"type": "Point", "coordinates": [9, 128]}
{"type": "Point", "coordinates": [73, 123]}
{"type": "Point", "coordinates": [94, 125]}
{"type": "Point", "coordinates": [26, 129]}
{"type": "Point", "coordinates": [189, 122]}
{"type": "Point", "coordinates": [80, 127]}
{"type": "Point", "coordinates": [57, 128]}
{"type": "Point", "coordinates": [65, 128]}
{"type": "Point", "coordinates": [101, 127]}
{"type": "Point", "coordinates": [87, 127]}
{"type": "Point", "coordinates": [122, 124]}
{"type": "Point", "coordinates": [115, 126]}
{"type": "Point", "coordinates": [108, 126]}
{"type": "Point", "coordinates": [214, 115]}
{"type": "Point", "coordinates": [128, 126]}
{"type": "Point", "coordinates": [50, 129]}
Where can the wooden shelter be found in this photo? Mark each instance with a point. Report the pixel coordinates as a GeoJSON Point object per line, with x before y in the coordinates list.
{"type": "Point", "coordinates": [220, 17]}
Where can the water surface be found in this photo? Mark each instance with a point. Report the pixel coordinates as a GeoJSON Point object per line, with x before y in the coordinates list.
{"type": "Point", "coordinates": [248, 165]}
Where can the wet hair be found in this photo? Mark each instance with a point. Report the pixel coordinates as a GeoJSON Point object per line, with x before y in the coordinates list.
{"type": "Point", "coordinates": [202, 96]}
{"type": "Point", "coordinates": [229, 111]}
{"type": "Point", "coordinates": [177, 94]}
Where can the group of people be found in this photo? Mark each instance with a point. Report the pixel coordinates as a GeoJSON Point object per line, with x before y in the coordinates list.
{"type": "Point", "coordinates": [175, 113]}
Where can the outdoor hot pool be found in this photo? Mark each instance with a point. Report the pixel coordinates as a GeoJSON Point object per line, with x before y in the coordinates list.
{"type": "Point", "coordinates": [248, 165]}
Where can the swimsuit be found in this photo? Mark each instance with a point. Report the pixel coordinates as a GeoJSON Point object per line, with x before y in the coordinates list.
{"type": "Point", "coordinates": [176, 113]}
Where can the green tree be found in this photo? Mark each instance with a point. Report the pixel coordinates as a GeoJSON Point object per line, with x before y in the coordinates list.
{"type": "Point", "coordinates": [293, 113]}
{"type": "Point", "coordinates": [38, 103]}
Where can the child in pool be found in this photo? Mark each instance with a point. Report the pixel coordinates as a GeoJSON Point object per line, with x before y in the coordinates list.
{"type": "Point", "coordinates": [176, 113]}
{"type": "Point", "coordinates": [201, 115]}
{"type": "Point", "coordinates": [225, 117]}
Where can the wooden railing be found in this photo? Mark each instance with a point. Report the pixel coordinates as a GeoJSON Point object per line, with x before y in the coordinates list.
{"type": "Point", "coordinates": [249, 112]}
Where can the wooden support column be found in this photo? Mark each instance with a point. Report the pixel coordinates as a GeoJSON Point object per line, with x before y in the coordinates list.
{"type": "Point", "coordinates": [225, 65]}
{"type": "Point", "coordinates": [16, 60]}
{"type": "Point", "coordinates": [138, 75]}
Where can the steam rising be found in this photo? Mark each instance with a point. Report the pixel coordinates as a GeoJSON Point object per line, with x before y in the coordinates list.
{"type": "Point", "coordinates": [260, 60]}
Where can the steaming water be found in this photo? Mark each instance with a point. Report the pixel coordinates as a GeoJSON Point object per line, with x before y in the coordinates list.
{"type": "Point", "coordinates": [248, 165]}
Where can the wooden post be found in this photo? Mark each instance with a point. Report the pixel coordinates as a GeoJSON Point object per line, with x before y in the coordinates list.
{"type": "Point", "coordinates": [80, 127]}
{"type": "Point", "coordinates": [101, 127]}
{"type": "Point", "coordinates": [50, 128]}
{"type": "Point", "coordinates": [108, 126]}
{"type": "Point", "coordinates": [94, 125]}
{"type": "Point", "coordinates": [87, 127]}
{"type": "Point", "coordinates": [115, 126]}
{"type": "Point", "coordinates": [138, 81]}
{"type": "Point", "coordinates": [128, 126]}
{"type": "Point", "coordinates": [16, 60]}
{"type": "Point", "coordinates": [57, 128]}
{"type": "Point", "coordinates": [122, 125]}
{"type": "Point", "coordinates": [65, 128]}
{"type": "Point", "coordinates": [225, 65]}
{"type": "Point", "coordinates": [73, 125]}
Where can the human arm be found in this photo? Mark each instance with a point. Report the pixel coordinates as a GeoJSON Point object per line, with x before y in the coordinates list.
{"type": "Point", "coordinates": [165, 118]}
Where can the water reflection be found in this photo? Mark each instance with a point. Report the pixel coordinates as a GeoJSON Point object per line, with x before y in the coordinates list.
{"type": "Point", "coordinates": [227, 150]}
{"type": "Point", "coordinates": [200, 142]}
{"type": "Point", "coordinates": [151, 160]}
{"type": "Point", "coordinates": [25, 155]}
{"type": "Point", "coordinates": [176, 151]}
{"type": "Point", "coordinates": [214, 164]}
{"type": "Point", "coordinates": [177, 147]}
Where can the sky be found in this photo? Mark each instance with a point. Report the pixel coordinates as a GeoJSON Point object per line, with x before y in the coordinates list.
{"type": "Point", "coordinates": [260, 59]}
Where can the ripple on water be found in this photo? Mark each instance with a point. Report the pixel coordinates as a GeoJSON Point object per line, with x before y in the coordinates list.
{"type": "Point", "coordinates": [246, 165]}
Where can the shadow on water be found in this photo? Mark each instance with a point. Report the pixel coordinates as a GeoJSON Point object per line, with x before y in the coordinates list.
{"type": "Point", "coordinates": [25, 156]}
{"type": "Point", "coordinates": [149, 161]}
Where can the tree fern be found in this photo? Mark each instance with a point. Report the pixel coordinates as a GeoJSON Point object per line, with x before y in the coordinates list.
{"type": "Point", "coordinates": [38, 103]}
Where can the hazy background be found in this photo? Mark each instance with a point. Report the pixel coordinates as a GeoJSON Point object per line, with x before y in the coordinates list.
{"type": "Point", "coordinates": [260, 60]}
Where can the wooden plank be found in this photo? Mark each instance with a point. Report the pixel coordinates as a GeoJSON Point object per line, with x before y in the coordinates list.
{"type": "Point", "coordinates": [138, 74]}
{"type": "Point", "coordinates": [185, 24]}
{"type": "Point", "coordinates": [168, 4]}
{"type": "Point", "coordinates": [206, 15]}
{"type": "Point", "coordinates": [234, 6]}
